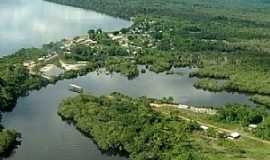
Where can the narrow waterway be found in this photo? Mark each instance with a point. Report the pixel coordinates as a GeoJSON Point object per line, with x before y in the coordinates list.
{"type": "Point", "coordinates": [27, 23]}
{"type": "Point", "coordinates": [46, 136]}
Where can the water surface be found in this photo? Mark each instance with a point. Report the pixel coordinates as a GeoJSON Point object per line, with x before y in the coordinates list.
{"type": "Point", "coordinates": [46, 136]}
{"type": "Point", "coordinates": [27, 23]}
{"type": "Point", "coordinates": [31, 23]}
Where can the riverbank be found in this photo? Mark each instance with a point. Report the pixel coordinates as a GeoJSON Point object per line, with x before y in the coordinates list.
{"type": "Point", "coordinates": [17, 30]}
{"type": "Point", "coordinates": [160, 38]}
{"type": "Point", "coordinates": [119, 54]}
{"type": "Point", "coordinates": [105, 119]}
{"type": "Point", "coordinates": [181, 38]}
{"type": "Point", "coordinates": [222, 129]}
{"type": "Point", "coordinates": [8, 141]}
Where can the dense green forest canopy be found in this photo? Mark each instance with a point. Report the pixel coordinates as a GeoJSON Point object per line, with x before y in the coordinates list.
{"type": "Point", "coordinates": [15, 79]}
{"type": "Point", "coordinates": [244, 115]}
{"type": "Point", "coordinates": [119, 123]}
{"type": "Point", "coordinates": [227, 40]}
{"type": "Point", "coordinates": [7, 141]}
{"type": "Point", "coordinates": [243, 10]}
{"type": "Point", "coordinates": [238, 58]}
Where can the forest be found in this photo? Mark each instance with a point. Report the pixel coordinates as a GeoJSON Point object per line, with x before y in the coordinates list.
{"type": "Point", "coordinates": [8, 139]}
{"type": "Point", "coordinates": [209, 84]}
{"type": "Point", "coordinates": [225, 41]}
{"type": "Point", "coordinates": [15, 79]}
{"type": "Point", "coordinates": [214, 36]}
{"type": "Point", "coordinates": [194, 9]}
{"type": "Point", "coordinates": [263, 100]}
{"type": "Point", "coordinates": [241, 68]}
{"type": "Point", "coordinates": [245, 115]}
{"type": "Point", "coordinates": [120, 124]}
{"type": "Point", "coordinates": [129, 126]}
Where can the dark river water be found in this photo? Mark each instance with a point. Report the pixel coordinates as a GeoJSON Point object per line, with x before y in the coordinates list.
{"type": "Point", "coordinates": [28, 23]}
{"type": "Point", "coordinates": [45, 136]}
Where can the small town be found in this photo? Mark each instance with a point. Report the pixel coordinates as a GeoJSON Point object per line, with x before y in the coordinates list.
{"type": "Point", "coordinates": [135, 80]}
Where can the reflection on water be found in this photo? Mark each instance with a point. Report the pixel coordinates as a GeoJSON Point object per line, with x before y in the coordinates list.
{"type": "Point", "coordinates": [45, 136]}
{"type": "Point", "coordinates": [158, 86]}
{"type": "Point", "coordinates": [28, 23]}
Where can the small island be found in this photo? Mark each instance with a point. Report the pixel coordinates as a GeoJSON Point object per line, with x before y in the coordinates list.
{"type": "Point", "coordinates": [144, 128]}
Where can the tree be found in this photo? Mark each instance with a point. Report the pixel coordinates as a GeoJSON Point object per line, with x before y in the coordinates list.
{"type": "Point", "coordinates": [99, 31]}
{"type": "Point", "coordinates": [263, 129]}
{"type": "Point", "coordinates": [124, 30]}
{"type": "Point", "coordinates": [2, 82]}
{"type": "Point", "coordinates": [92, 34]}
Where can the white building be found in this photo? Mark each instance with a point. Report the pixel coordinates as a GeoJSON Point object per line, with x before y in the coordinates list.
{"type": "Point", "coordinates": [204, 127]}
{"type": "Point", "coordinates": [234, 135]}
{"type": "Point", "coordinates": [181, 106]}
{"type": "Point", "coordinates": [252, 126]}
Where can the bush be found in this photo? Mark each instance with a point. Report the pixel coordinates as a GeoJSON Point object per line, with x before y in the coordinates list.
{"type": "Point", "coordinates": [119, 123]}
{"type": "Point", "coordinates": [245, 115]}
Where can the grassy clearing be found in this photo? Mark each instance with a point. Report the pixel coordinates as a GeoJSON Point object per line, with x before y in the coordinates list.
{"type": "Point", "coordinates": [244, 148]}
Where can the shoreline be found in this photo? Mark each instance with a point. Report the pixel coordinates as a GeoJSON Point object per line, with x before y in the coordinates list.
{"type": "Point", "coordinates": [153, 41]}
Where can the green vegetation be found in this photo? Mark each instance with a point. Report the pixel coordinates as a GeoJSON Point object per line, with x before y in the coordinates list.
{"type": "Point", "coordinates": [121, 66]}
{"type": "Point", "coordinates": [215, 36]}
{"type": "Point", "coordinates": [214, 146]}
{"type": "Point", "coordinates": [245, 69]}
{"type": "Point", "coordinates": [245, 115]}
{"type": "Point", "coordinates": [263, 100]}
{"type": "Point", "coordinates": [16, 81]}
{"type": "Point", "coordinates": [263, 129]}
{"type": "Point", "coordinates": [225, 40]}
{"type": "Point", "coordinates": [242, 78]}
{"type": "Point", "coordinates": [183, 8]}
{"type": "Point", "coordinates": [209, 84]}
{"type": "Point", "coordinates": [119, 123]}
{"type": "Point", "coordinates": [7, 140]}
{"type": "Point", "coordinates": [15, 78]}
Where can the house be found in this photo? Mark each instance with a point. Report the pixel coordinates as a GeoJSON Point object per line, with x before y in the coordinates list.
{"type": "Point", "coordinates": [79, 40]}
{"type": "Point", "coordinates": [234, 135]}
{"type": "Point", "coordinates": [117, 38]}
{"type": "Point", "coordinates": [204, 127]}
{"type": "Point", "coordinates": [51, 70]}
{"type": "Point", "coordinates": [252, 126]}
{"type": "Point", "coordinates": [29, 64]}
{"type": "Point", "coordinates": [110, 35]}
{"type": "Point", "coordinates": [181, 106]}
{"type": "Point", "coordinates": [88, 42]}
{"type": "Point", "coordinates": [41, 59]}
{"type": "Point", "coordinates": [26, 64]}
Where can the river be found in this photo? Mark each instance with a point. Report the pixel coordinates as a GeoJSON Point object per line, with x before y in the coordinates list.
{"type": "Point", "coordinates": [31, 23]}
{"type": "Point", "coordinates": [44, 135]}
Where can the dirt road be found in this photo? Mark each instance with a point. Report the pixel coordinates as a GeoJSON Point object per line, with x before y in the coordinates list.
{"type": "Point", "coordinates": [245, 135]}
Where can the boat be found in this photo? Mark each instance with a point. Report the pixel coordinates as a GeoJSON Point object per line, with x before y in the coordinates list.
{"type": "Point", "coordinates": [75, 88]}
